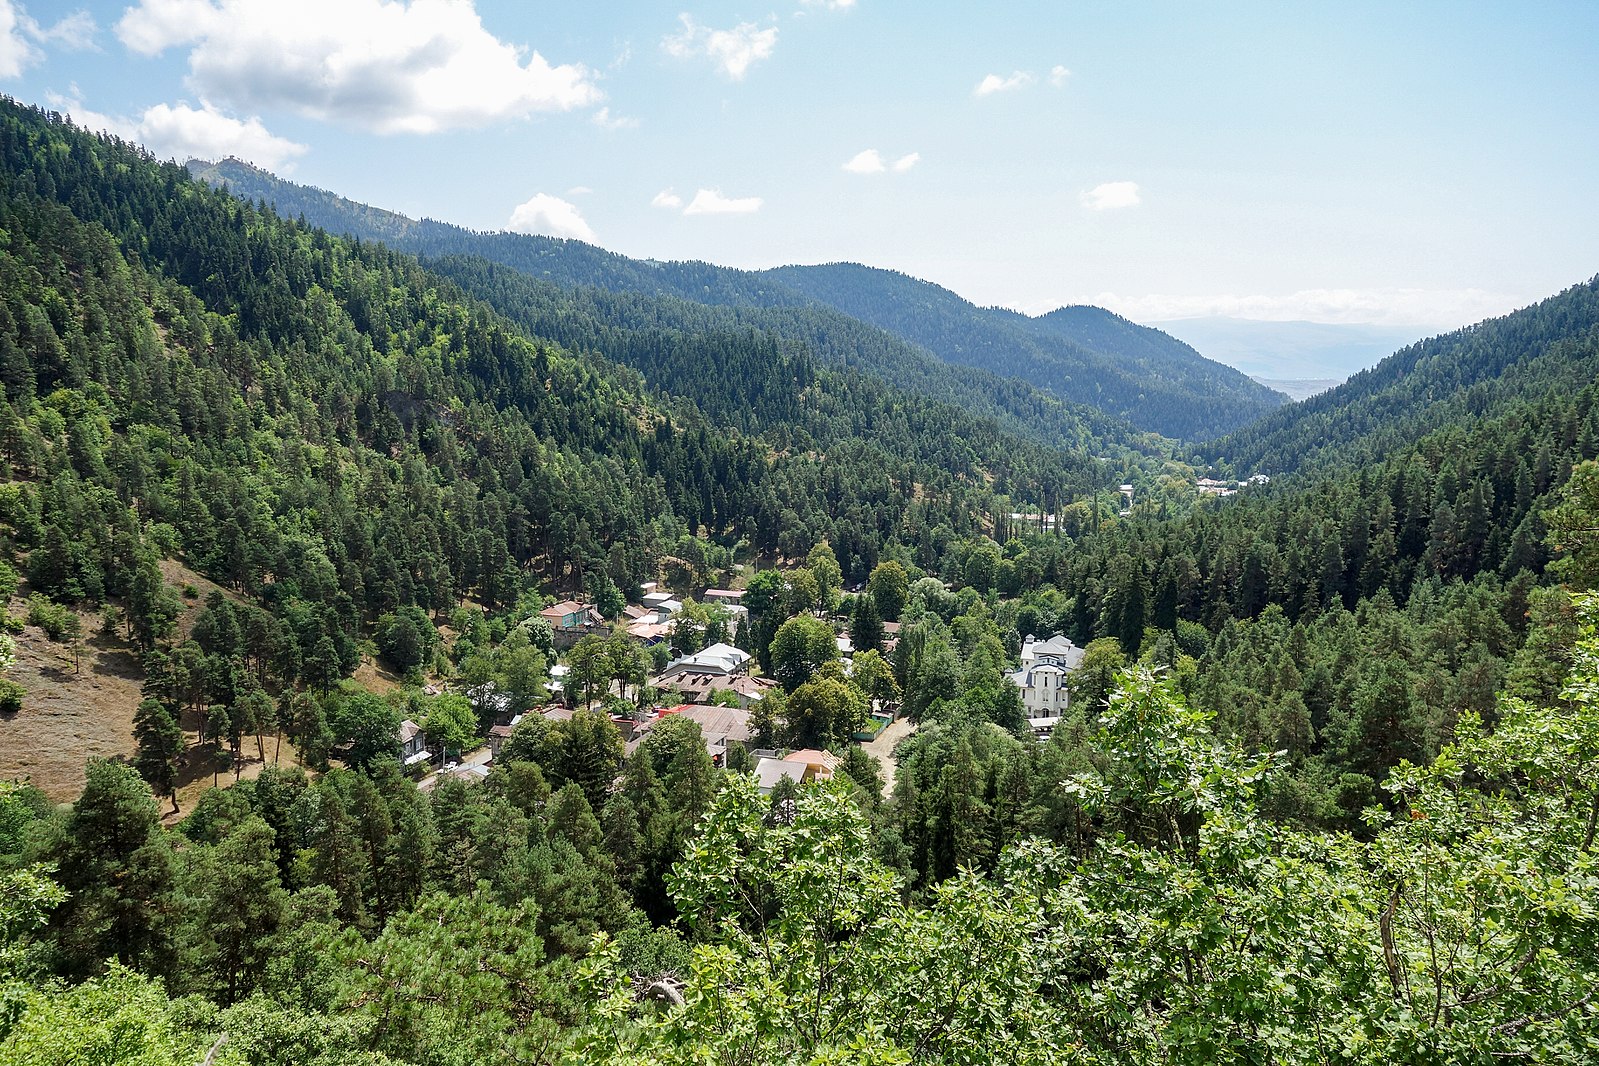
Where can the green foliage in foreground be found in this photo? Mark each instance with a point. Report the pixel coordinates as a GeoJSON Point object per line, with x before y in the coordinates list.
{"type": "Point", "coordinates": [1463, 930]}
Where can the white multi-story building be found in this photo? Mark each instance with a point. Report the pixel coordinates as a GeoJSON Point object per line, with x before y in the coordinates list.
{"type": "Point", "coordinates": [1046, 664]}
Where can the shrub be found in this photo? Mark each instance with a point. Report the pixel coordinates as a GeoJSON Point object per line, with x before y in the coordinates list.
{"type": "Point", "coordinates": [57, 621]}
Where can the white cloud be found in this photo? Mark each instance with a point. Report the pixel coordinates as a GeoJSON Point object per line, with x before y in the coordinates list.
{"type": "Point", "coordinates": [579, 190]}
{"type": "Point", "coordinates": [1435, 309]}
{"type": "Point", "coordinates": [156, 25]}
{"type": "Point", "coordinates": [75, 32]}
{"type": "Point", "coordinates": [1058, 75]}
{"type": "Point", "coordinates": [607, 121]}
{"type": "Point", "coordinates": [69, 105]}
{"type": "Point", "coordinates": [733, 50]}
{"type": "Point", "coordinates": [1111, 196]}
{"type": "Point", "coordinates": [552, 217]}
{"type": "Point", "coordinates": [380, 65]}
{"type": "Point", "coordinates": [831, 5]}
{"type": "Point", "coordinates": [996, 84]}
{"type": "Point", "coordinates": [668, 199]}
{"type": "Point", "coordinates": [17, 53]}
{"type": "Point", "coordinates": [20, 36]}
{"type": "Point", "coordinates": [867, 162]}
{"type": "Point", "coordinates": [712, 202]}
{"type": "Point", "coordinates": [182, 132]}
{"type": "Point", "coordinates": [185, 133]}
{"type": "Point", "coordinates": [871, 161]}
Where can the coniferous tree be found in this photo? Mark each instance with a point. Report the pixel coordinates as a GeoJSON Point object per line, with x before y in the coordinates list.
{"type": "Point", "coordinates": [245, 905]}
{"type": "Point", "coordinates": [160, 743]}
{"type": "Point", "coordinates": [866, 626]}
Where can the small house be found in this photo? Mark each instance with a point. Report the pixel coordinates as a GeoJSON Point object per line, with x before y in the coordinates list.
{"type": "Point", "coordinates": [768, 772]}
{"type": "Point", "coordinates": [570, 615]}
{"type": "Point", "coordinates": [819, 764]}
{"type": "Point", "coordinates": [716, 659]}
{"type": "Point", "coordinates": [413, 744]}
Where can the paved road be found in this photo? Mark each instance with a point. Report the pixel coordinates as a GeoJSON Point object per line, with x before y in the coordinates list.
{"type": "Point", "coordinates": [475, 757]}
{"type": "Point", "coordinates": [883, 748]}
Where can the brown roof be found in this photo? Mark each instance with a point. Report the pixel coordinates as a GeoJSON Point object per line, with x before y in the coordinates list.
{"type": "Point", "coordinates": [731, 722]}
{"type": "Point", "coordinates": [718, 725]}
{"type": "Point", "coordinates": [812, 757]}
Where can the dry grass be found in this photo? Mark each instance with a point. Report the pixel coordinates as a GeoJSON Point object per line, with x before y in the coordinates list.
{"type": "Point", "coordinates": [76, 712]}
{"type": "Point", "coordinates": [202, 768]}
{"type": "Point", "coordinates": [70, 714]}
{"type": "Point", "coordinates": [374, 678]}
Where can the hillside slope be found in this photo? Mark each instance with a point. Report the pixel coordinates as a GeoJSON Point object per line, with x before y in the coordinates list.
{"type": "Point", "coordinates": [1548, 348]}
{"type": "Point", "coordinates": [912, 334]}
{"type": "Point", "coordinates": [1087, 355]}
{"type": "Point", "coordinates": [337, 433]}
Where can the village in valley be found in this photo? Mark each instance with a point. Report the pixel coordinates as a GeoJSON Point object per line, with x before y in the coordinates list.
{"type": "Point", "coordinates": [666, 658]}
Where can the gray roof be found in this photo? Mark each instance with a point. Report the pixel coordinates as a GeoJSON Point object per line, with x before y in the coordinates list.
{"type": "Point", "coordinates": [718, 658]}
{"type": "Point", "coordinates": [1060, 649]}
{"type": "Point", "coordinates": [770, 771]}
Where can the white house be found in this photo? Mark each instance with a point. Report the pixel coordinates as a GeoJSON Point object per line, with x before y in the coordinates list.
{"type": "Point", "coordinates": [718, 659]}
{"type": "Point", "coordinates": [1046, 664]}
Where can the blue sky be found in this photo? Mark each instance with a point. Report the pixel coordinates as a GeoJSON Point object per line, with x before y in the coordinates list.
{"type": "Point", "coordinates": [1415, 165]}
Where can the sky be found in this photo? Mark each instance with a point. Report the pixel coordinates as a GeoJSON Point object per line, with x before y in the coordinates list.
{"type": "Point", "coordinates": [1413, 165]}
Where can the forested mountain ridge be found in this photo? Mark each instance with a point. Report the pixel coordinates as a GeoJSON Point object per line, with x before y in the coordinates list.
{"type": "Point", "coordinates": [753, 368]}
{"type": "Point", "coordinates": [914, 335]}
{"type": "Point", "coordinates": [1084, 354]}
{"type": "Point", "coordinates": [338, 433]}
{"type": "Point", "coordinates": [1451, 379]}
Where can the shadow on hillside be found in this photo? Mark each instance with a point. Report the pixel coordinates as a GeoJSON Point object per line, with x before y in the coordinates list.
{"type": "Point", "coordinates": [61, 675]}
{"type": "Point", "coordinates": [115, 657]}
{"type": "Point", "coordinates": [203, 762]}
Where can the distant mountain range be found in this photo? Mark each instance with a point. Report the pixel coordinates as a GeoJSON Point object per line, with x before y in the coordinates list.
{"type": "Point", "coordinates": [1085, 354]}
{"type": "Point", "coordinates": [1548, 350]}
{"type": "Point", "coordinates": [1291, 351]}
{"type": "Point", "coordinates": [1299, 388]}
{"type": "Point", "coordinates": [912, 333]}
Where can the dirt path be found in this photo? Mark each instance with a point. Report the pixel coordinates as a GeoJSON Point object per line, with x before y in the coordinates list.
{"type": "Point", "coordinates": [882, 747]}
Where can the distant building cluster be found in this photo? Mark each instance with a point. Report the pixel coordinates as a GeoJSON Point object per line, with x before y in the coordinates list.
{"type": "Point", "coordinates": [1212, 487]}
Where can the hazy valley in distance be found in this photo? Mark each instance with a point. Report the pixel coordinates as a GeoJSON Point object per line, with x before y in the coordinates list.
{"type": "Point", "coordinates": [1296, 358]}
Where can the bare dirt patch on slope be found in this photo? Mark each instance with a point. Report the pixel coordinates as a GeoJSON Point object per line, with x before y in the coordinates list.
{"type": "Point", "coordinates": [71, 713]}
{"type": "Point", "coordinates": [74, 712]}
